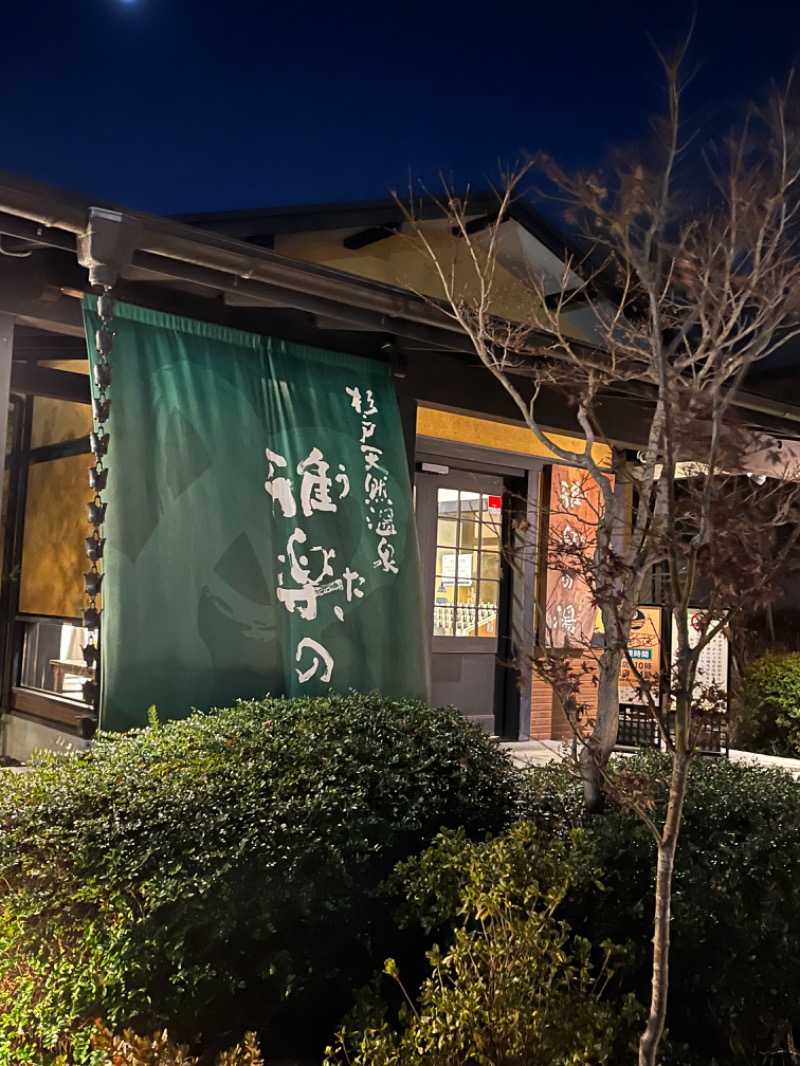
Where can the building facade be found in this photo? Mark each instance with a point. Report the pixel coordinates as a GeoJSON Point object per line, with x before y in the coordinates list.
{"type": "Point", "coordinates": [342, 279]}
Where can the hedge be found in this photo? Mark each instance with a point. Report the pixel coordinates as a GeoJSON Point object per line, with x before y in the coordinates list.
{"type": "Point", "coordinates": [203, 874]}
{"type": "Point", "coordinates": [734, 979]}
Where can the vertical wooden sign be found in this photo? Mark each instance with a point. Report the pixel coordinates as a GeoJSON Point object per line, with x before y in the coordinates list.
{"type": "Point", "coordinates": [574, 510]}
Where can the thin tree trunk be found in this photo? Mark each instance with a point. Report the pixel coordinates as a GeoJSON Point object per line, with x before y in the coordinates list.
{"type": "Point", "coordinates": [592, 780]}
{"type": "Point", "coordinates": [654, 1030]}
{"type": "Point", "coordinates": [596, 752]}
{"type": "Point", "coordinates": [771, 624]}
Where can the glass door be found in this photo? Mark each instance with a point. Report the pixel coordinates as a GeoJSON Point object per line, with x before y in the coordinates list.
{"type": "Point", "coordinates": [459, 518]}
{"type": "Point", "coordinates": [467, 572]}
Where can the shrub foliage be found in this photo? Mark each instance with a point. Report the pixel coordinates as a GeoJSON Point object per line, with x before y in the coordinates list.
{"type": "Point", "coordinates": [767, 718]}
{"type": "Point", "coordinates": [201, 873]}
{"type": "Point", "coordinates": [130, 1049]}
{"type": "Point", "coordinates": [514, 986]}
{"type": "Point", "coordinates": [734, 979]}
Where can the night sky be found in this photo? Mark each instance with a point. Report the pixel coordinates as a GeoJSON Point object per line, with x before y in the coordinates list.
{"type": "Point", "coordinates": [193, 105]}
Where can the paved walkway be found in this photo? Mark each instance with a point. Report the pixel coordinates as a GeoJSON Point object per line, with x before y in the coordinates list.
{"type": "Point", "coordinates": [540, 752]}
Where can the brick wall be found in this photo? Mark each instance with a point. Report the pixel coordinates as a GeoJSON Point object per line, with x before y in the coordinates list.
{"type": "Point", "coordinates": [548, 721]}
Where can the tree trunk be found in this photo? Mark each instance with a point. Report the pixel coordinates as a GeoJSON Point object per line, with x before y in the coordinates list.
{"type": "Point", "coordinates": [654, 1030]}
{"type": "Point", "coordinates": [592, 780]}
{"type": "Point", "coordinates": [598, 748]}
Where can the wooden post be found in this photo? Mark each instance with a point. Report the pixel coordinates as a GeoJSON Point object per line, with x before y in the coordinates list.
{"type": "Point", "coordinates": [6, 353]}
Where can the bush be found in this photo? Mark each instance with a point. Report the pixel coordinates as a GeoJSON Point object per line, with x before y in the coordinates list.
{"type": "Point", "coordinates": [202, 873]}
{"type": "Point", "coordinates": [129, 1049]}
{"type": "Point", "coordinates": [734, 979]}
{"type": "Point", "coordinates": [767, 717]}
{"type": "Point", "coordinates": [515, 987]}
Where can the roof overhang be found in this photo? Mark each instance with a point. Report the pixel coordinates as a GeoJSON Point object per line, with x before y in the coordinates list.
{"type": "Point", "coordinates": [146, 255]}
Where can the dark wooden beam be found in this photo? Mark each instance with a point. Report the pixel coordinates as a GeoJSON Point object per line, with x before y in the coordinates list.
{"type": "Point", "coordinates": [373, 235]}
{"type": "Point", "coordinates": [263, 240]}
{"type": "Point", "coordinates": [465, 386]}
{"type": "Point", "coordinates": [55, 384]}
{"type": "Point", "coordinates": [30, 291]}
{"type": "Point", "coordinates": [64, 449]}
{"type": "Point", "coordinates": [476, 225]}
{"type": "Point", "coordinates": [37, 345]}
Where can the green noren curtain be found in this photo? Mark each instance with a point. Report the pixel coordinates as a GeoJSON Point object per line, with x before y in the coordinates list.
{"type": "Point", "coordinates": [260, 533]}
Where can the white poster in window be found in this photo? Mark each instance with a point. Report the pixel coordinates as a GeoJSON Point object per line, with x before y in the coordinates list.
{"type": "Point", "coordinates": [449, 569]}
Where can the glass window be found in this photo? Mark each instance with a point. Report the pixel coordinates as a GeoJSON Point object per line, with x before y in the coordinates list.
{"type": "Point", "coordinates": [447, 532]}
{"type": "Point", "coordinates": [465, 622]}
{"type": "Point", "coordinates": [467, 564]}
{"type": "Point", "coordinates": [53, 556]}
{"type": "Point", "coordinates": [52, 658]}
{"type": "Point", "coordinates": [490, 566]}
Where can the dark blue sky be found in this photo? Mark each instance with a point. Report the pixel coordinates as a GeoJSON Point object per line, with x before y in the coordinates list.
{"type": "Point", "coordinates": [189, 105]}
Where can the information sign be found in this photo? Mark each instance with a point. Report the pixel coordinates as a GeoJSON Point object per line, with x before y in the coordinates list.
{"type": "Point", "coordinates": [713, 665]}
{"type": "Point", "coordinates": [644, 648]}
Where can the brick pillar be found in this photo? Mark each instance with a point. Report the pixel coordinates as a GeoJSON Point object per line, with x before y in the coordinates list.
{"type": "Point", "coordinates": [548, 721]}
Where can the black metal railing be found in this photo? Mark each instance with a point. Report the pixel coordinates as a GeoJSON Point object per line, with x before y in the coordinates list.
{"type": "Point", "coordinates": [637, 729]}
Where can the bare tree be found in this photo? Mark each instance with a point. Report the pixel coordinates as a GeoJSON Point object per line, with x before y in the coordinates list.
{"type": "Point", "coordinates": [688, 286]}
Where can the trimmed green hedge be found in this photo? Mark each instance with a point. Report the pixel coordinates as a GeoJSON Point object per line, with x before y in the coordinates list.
{"type": "Point", "coordinates": [202, 873]}
{"type": "Point", "coordinates": [734, 977]}
{"type": "Point", "coordinates": [767, 715]}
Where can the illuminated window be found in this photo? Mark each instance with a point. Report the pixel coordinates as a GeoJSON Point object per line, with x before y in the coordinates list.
{"type": "Point", "coordinates": [467, 564]}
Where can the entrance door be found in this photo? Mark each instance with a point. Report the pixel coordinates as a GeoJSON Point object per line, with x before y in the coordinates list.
{"type": "Point", "coordinates": [459, 518]}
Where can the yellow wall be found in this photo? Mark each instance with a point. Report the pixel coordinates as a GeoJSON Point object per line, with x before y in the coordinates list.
{"type": "Point", "coordinates": [53, 557]}
{"type": "Point", "coordinates": [467, 430]}
{"type": "Point", "coordinates": [402, 261]}
{"type": "Point", "coordinates": [56, 420]}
